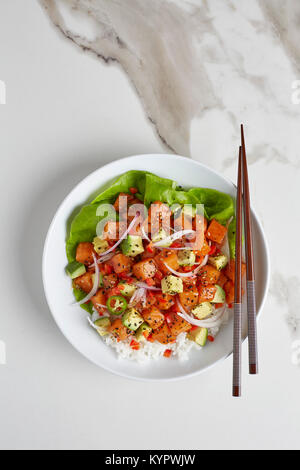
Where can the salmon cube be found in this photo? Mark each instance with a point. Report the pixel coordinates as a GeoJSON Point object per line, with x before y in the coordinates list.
{"type": "Point", "coordinates": [153, 317]}
{"type": "Point", "coordinates": [178, 325]}
{"type": "Point", "coordinates": [216, 232]}
{"type": "Point", "coordinates": [229, 291]}
{"type": "Point", "coordinates": [163, 335]}
{"type": "Point", "coordinates": [189, 298]}
{"type": "Point", "coordinates": [121, 263]}
{"type": "Point", "coordinates": [84, 253]}
{"type": "Point", "coordinates": [118, 329]}
{"type": "Point", "coordinates": [167, 257]}
{"type": "Point", "coordinates": [164, 301]}
{"type": "Point", "coordinates": [206, 293]}
{"type": "Point", "coordinates": [144, 269]}
{"type": "Point", "coordinates": [84, 282]}
{"type": "Point", "coordinates": [208, 275]}
{"type": "Point", "coordinates": [98, 300]}
{"type": "Point", "coordinates": [229, 271]}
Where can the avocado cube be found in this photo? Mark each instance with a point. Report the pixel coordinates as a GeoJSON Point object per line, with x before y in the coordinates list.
{"type": "Point", "coordinates": [172, 285]}
{"type": "Point", "coordinates": [143, 332]}
{"type": "Point", "coordinates": [127, 289]}
{"type": "Point", "coordinates": [100, 246]}
{"type": "Point", "coordinates": [132, 319]}
{"type": "Point", "coordinates": [132, 245]}
{"type": "Point", "coordinates": [219, 262]}
{"type": "Point", "coordinates": [75, 269]}
{"type": "Point", "coordinates": [199, 336]}
{"type": "Point", "coordinates": [186, 258]}
{"type": "Point", "coordinates": [202, 310]}
{"type": "Point", "coordinates": [102, 326]}
{"type": "Point", "coordinates": [161, 235]}
{"type": "Point", "coordinates": [220, 296]}
{"type": "Point", "coordinates": [189, 210]}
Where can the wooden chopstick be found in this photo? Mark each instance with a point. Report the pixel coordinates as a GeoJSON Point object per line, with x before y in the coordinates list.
{"type": "Point", "coordinates": [251, 301]}
{"type": "Point", "coordinates": [237, 326]}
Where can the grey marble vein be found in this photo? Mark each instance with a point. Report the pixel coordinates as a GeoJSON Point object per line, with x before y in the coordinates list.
{"type": "Point", "coordinates": [286, 291]}
{"type": "Point", "coordinates": [198, 64]}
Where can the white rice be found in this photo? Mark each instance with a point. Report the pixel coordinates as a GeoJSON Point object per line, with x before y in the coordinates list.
{"type": "Point", "coordinates": [149, 351]}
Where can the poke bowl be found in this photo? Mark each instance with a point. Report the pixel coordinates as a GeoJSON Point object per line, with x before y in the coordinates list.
{"type": "Point", "coordinates": [138, 267]}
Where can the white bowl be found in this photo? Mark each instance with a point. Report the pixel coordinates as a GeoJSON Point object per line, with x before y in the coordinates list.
{"type": "Point", "coordinates": [72, 320]}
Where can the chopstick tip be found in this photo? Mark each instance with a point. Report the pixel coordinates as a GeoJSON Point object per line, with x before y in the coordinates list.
{"type": "Point", "coordinates": [236, 392]}
{"type": "Point", "coordinates": [253, 369]}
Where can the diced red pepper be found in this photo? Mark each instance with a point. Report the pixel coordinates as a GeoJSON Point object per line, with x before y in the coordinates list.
{"type": "Point", "coordinates": [135, 345]}
{"type": "Point", "coordinates": [212, 250]}
{"type": "Point", "coordinates": [114, 291]}
{"type": "Point", "coordinates": [108, 269]}
{"type": "Point", "coordinates": [133, 190]}
{"type": "Point", "coordinates": [176, 245]}
{"type": "Point", "coordinates": [230, 305]}
{"type": "Point", "coordinates": [194, 327]}
{"type": "Point", "coordinates": [211, 338]}
{"type": "Point", "coordinates": [218, 305]}
{"type": "Point", "coordinates": [150, 338]}
{"type": "Point", "coordinates": [168, 352]}
{"type": "Point", "coordinates": [150, 282]}
{"type": "Point", "coordinates": [150, 248]}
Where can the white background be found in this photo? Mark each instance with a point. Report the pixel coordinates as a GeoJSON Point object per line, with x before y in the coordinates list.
{"type": "Point", "coordinates": [66, 115]}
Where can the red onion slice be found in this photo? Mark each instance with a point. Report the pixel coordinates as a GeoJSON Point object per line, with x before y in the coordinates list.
{"type": "Point", "coordinates": [190, 274]}
{"type": "Point", "coordinates": [95, 285]}
{"type": "Point", "coordinates": [211, 322]}
{"type": "Point", "coordinates": [145, 286]}
{"type": "Point", "coordinates": [145, 235]}
{"type": "Point", "coordinates": [172, 238]}
{"type": "Point", "coordinates": [204, 262]}
{"type": "Point", "coordinates": [130, 227]}
{"type": "Point", "coordinates": [138, 296]}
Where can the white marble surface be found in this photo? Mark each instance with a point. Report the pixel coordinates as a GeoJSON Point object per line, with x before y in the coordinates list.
{"type": "Point", "coordinates": [198, 71]}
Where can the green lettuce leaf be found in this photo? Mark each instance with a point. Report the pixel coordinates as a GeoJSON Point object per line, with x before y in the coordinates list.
{"type": "Point", "coordinates": [131, 179]}
{"type": "Point", "coordinates": [79, 295]}
{"type": "Point", "coordinates": [83, 228]}
{"type": "Point", "coordinates": [231, 237]}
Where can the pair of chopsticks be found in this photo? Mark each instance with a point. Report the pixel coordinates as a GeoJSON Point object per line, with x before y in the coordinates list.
{"type": "Point", "coordinates": [243, 205]}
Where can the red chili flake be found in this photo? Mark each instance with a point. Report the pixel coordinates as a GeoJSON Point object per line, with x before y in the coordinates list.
{"type": "Point", "coordinates": [168, 352]}
{"type": "Point", "coordinates": [133, 190]}
{"type": "Point", "coordinates": [211, 339]}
